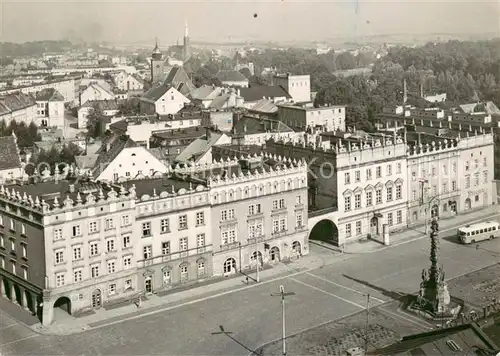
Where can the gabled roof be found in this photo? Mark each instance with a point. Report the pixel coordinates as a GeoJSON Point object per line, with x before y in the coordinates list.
{"type": "Point", "coordinates": [49, 94]}
{"type": "Point", "coordinates": [16, 101]}
{"type": "Point", "coordinates": [205, 92]}
{"type": "Point", "coordinates": [220, 101]}
{"type": "Point", "coordinates": [107, 153]}
{"type": "Point", "coordinates": [97, 87]}
{"type": "Point", "coordinates": [86, 162]}
{"type": "Point", "coordinates": [103, 104]}
{"type": "Point", "coordinates": [265, 106]}
{"type": "Point", "coordinates": [9, 153]}
{"type": "Point", "coordinates": [257, 92]}
{"type": "Point", "coordinates": [156, 93]}
{"type": "Point", "coordinates": [198, 147]}
{"type": "Point", "coordinates": [231, 76]}
{"type": "Point", "coordinates": [178, 78]}
{"type": "Point", "coordinates": [248, 125]}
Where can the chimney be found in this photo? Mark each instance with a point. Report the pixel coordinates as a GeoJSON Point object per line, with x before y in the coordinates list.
{"type": "Point", "coordinates": [108, 147]}
{"type": "Point", "coordinates": [245, 127]}
{"type": "Point", "coordinates": [208, 133]}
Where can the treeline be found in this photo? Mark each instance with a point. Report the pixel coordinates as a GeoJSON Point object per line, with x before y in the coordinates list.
{"type": "Point", "coordinates": [26, 135]}
{"type": "Point", "coordinates": [37, 48]}
{"type": "Point", "coordinates": [465, 71]}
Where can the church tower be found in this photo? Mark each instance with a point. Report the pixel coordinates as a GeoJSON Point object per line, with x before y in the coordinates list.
{"type": "Point", "coordinates": [157, 65]}
{"type": "Point", "coordinates": [185, 47]}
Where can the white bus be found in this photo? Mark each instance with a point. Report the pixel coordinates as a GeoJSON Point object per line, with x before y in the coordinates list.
{"type": "Point", "coordinates": [479, 232]}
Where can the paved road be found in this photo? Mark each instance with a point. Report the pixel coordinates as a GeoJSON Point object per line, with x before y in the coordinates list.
{"type": "Point", "coordinates": [252, 315]}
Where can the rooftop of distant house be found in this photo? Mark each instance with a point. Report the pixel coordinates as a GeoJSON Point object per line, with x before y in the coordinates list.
{"type": "Point", "coordinates": [188, 132]}
{"type": "Point", "coordinates": [310, 108]}
{"type": "Point", "coordinates": [248, 125]}
{"type": "Point", "coordinates": [102, 104]}
{"type": "Point", "coordinates": [467, 339]}
{"type": "Point", "coordinates": [231, 76]}
{"type": "Point", "coordinates": [15, 101]}
{"type": "Point", "coordinates": [258, 92]}
{"type": "Point", "coordinates": [49, 94]}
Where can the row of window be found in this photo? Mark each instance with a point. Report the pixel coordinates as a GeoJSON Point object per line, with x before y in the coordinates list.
{"type": "Point", "coordinates": [476, 179]}
{"type": "Point", "coordinates": [165, 224]}
{"type": "Point", "coordinates": [93, 227]}
{"type": "Point", "coordinates": [369, 198]}
{"type": "Point", "coordinates": [255, 209]}
{"type": "Point", "coordinates": [378, 173]}
{"type": "Point", "coordinates": [13, 265]}
{"type": "Point", "coordinates": [12, 225]}
{"type": "Point", "coordinates": [165, 246]}
{"type": "Point", "coordinates": [359, 224]}
{"type": "Point", "coordinates": [256, 228]}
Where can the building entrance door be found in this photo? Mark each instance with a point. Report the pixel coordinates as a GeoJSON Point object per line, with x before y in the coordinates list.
{"type": "Point", "coordinates": [96, 298]}
{"type": "Point", "coordinates": [374, 226]}
{"type": "Point", "coordinates": [148, 285]}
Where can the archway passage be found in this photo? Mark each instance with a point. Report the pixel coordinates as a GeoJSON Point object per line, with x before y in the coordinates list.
{"type": "Point", "coordinates": [296, 248]}
{"type": "Point", "coordinates": [325, 231]}
{"type": "Point", "coordinates": [63, 303]}
{"type": "Point", "coordinates": [468, 204]}
{"type": "Point", "coordinates": [18, 297]}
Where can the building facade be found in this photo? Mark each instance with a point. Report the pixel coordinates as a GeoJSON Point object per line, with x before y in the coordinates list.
{"type": "Point", "coordinates": [298, 86]}
{"type": "Point", "coordinates": [258, 217]}
{"type": "Point", "coordinates": [302, 118]}
{"type": "Point", "coordinates": [70, 246]}
{"type": "Point", "coordinates": [172, 234]}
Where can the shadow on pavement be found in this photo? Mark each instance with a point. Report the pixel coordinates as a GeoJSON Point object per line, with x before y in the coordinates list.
{"type": "Point", "coordinates": [228, 334]}
{"type": "Point", "coordinates": [391, 294]}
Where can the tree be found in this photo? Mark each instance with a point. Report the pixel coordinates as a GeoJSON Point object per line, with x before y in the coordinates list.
{"type": "Point", "coordinates": [129, 107]}
{"type": "Point", "coordinates": [93, 121]}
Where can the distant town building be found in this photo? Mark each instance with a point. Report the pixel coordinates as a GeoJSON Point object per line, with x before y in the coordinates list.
{"type": "Point", "coordinates": [298, 86]}
{"type": "Point", "coordinates": [50, 108]}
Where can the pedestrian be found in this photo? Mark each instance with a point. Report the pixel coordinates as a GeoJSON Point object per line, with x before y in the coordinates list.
{"type": "Point", "coordinates": [247, 279]}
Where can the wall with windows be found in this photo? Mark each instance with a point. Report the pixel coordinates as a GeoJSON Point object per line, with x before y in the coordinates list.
{"type": "Point", "coordinates": [372, 180]}
{"type": "Point", "coordinates": [173, 241]}
{"type": "Point", "coordinates": [89, 254]}
{"type": "Point", "coordinates": [260, 213]}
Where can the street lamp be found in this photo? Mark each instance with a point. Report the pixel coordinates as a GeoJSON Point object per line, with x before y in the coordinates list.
{"type": "Point", "coordinates": [257, 259]}
{"type": "Point", "coordinates": [282, 294]}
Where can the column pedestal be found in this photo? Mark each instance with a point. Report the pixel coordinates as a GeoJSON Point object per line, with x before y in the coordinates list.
{"type": "Point", "coordinates": [47, 312]}
{"type": "Point", "coordinates": [13, 296]}
{"type": "Point", "coordinates": [3, 292]}
{"type": "Point", "coordinates": [24, 300]}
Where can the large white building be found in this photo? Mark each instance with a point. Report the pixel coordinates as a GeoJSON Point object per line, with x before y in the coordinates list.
{"type": "Point", "coordinates": [365, 185]}
{"type": "Point", "coordinates": [311, 119]}
{"type": "Point", "coordinates": [80, 244]}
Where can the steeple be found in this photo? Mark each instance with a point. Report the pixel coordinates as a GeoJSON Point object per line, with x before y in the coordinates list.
{"type": "Point", "coordinates": [156, 51]}
{"type": "Point", "coordinates": [186, 29]}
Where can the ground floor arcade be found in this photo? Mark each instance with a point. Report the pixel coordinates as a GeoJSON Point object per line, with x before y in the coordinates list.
{"type": "Point", "coordinates": [22, 293]}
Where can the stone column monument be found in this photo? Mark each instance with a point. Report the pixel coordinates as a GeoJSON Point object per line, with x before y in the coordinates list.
{"type": "Point", "coordinates": [434, 296]}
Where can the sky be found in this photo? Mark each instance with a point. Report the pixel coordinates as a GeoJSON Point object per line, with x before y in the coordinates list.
{"type": "Point", "coordinates": [129, 21]}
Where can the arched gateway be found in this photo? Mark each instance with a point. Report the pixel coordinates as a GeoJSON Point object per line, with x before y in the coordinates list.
{"type": "Point", "coordinates": [326, 231]}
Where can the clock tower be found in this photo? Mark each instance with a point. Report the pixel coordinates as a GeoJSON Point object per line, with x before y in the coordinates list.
{"type": "Point", "coordinates": [157, 65]}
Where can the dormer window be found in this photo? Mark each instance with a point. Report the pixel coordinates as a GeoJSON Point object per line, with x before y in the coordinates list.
{"type": "Point", "coordinates": [133, 154]}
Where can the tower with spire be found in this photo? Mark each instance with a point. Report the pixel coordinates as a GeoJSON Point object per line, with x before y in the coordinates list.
{"type": "Point", "coordinates": [157, 64]}
{"type": "Point", "coordinates": [185, 48]}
